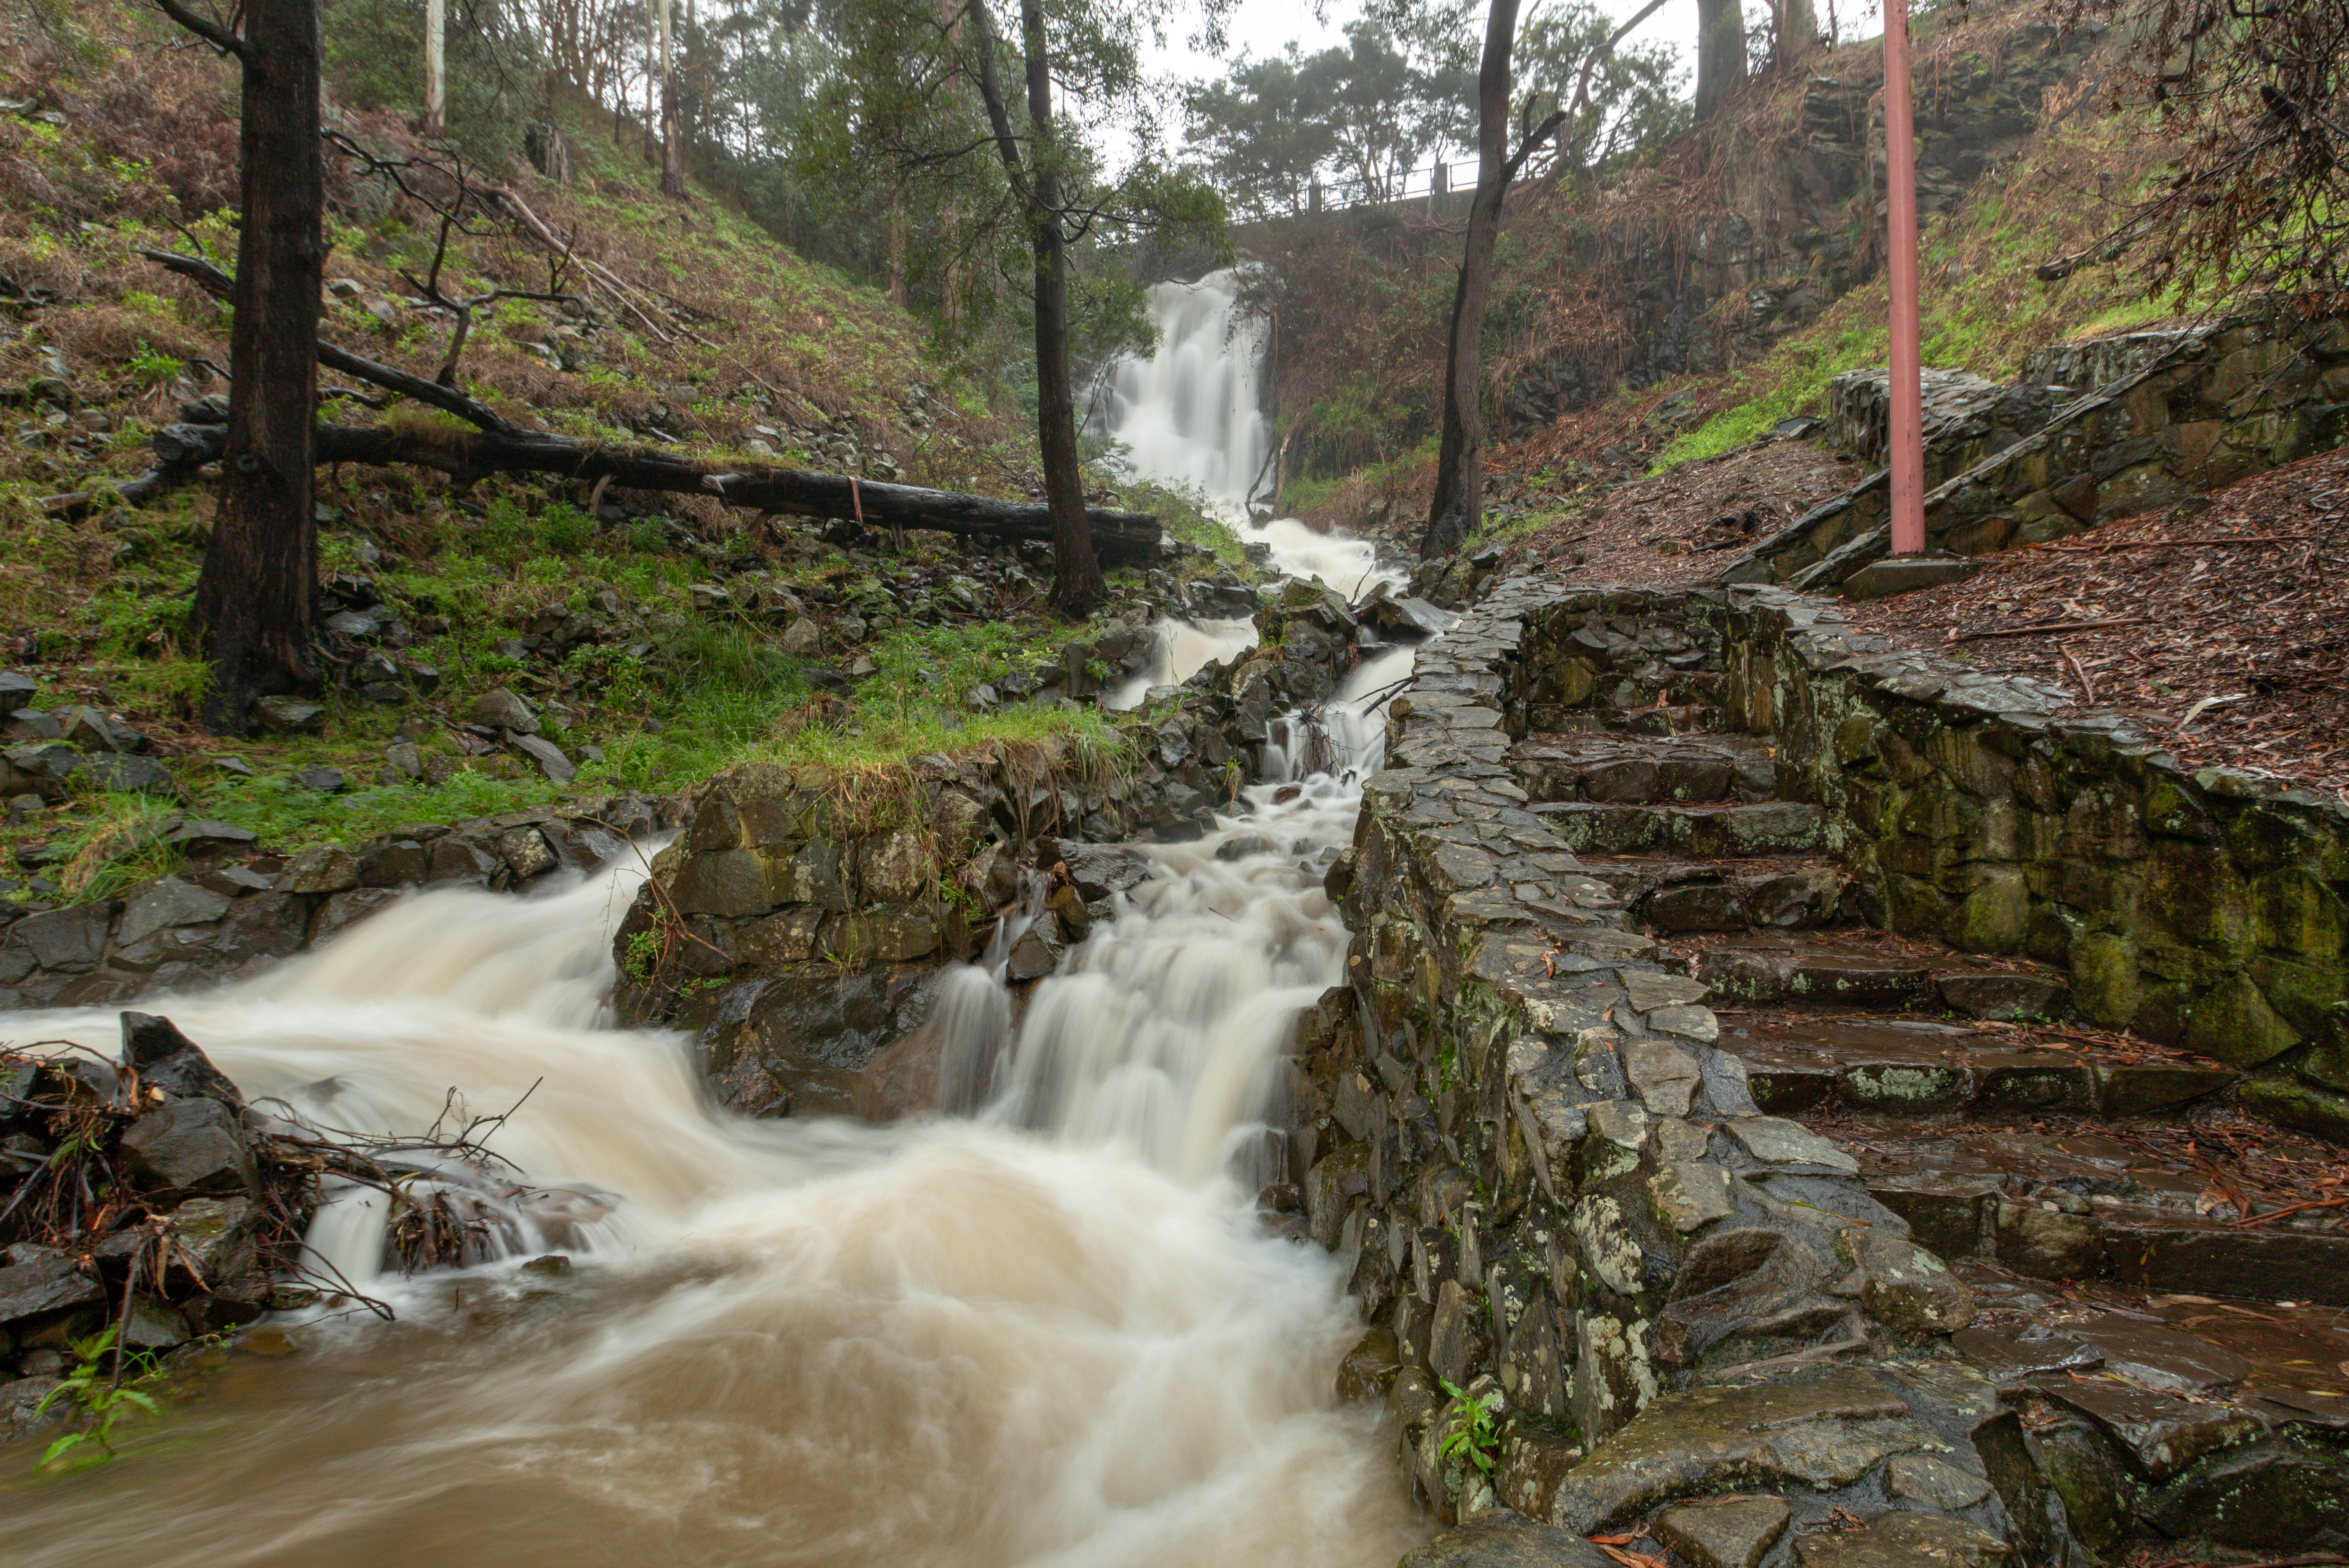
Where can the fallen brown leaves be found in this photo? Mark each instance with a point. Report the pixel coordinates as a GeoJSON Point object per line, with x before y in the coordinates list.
{"type": "Point", "coordinates": [1680, 525]}
{"type": "Point", "coordinates": [2223, 634]}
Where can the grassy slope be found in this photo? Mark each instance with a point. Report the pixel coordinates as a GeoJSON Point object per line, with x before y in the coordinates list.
{"type": "Point", "coordinates": [758, 336]}
{"type": "Point", "coordinates": [1982, 308]}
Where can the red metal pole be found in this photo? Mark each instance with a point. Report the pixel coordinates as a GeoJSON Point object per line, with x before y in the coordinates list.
{"type": "Point", "coordinates": [1907, 459]}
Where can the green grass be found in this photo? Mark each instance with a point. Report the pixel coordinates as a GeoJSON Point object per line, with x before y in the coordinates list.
{"type": "Point", "coordinates": [1791, 379]}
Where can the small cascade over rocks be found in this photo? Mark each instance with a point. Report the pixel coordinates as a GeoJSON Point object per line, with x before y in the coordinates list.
{"type": "Point", "coordinates": [1044, 1324]}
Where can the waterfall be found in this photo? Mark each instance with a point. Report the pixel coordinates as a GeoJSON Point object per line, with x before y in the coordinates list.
{"type": "Point", "coordinates": [1191, 413]}
{"type": "Point", "coordinates": [1049, 1332]}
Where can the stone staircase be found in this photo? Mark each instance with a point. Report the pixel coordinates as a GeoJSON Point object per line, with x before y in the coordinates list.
{"type": "Point", "coordinates": [2168, 1361]}
{"type": "Point", "coordinates": [2001, 1135]}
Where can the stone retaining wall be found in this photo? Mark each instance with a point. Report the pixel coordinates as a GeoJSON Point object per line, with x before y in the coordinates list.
{"type": "Point", "coordinates": [1554, 1194]}
{"type": "Point", "coordinates": [2208, 908]}
{"type": "Point", "coordinates": [2191, 412]}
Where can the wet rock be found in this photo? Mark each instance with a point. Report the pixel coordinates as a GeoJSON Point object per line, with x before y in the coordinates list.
{"type": "Point", "coordinates": [289, 716]}
{"type": "Point", "coordinates": [199, 834]}
{"type": "Point", "coordinates": [1822, 1433]}
{"type": "Point", "coordinates": [94, 730]}
{"type": "Point", "coordinates": [1369, 1368]}
{"type": "Point", "coordinates": [215, 1237]}
{"type": "Point", "coordinates": [44, 1284]}
{"type": "Point", "coordinates": [2045, 1242]}
{"type": "Point", "coordinates": [892, 868]}
{"type": "Point", "coordinates": [326, 868]}
{"type": "Point", "coordinates": [1904, 1540]}
{"type": "Point", "coordinates": [1333, 1185]}
{"type": "Point", "coordinates": [500, 708]}
{"type": "Point", "coordinates": [1101, 870]}
{"type": "Point", "coordinates": [1908, 1290]}
{"type": "Point", "coordinates": [558, 768]}
{"type": "Point", "coordinates": [165, 902]}
{"type": "Point", "coordinates": [190, 1146]}
{"type": "Point", "coordinates": [393, 863]}
{"type": "Point", "coordinates": [344, 910]}
{"type": "Point", "coordinates": [121, 770]}
{"type": "Point", "coordinates": [167, 1059]}
{"type": "Point", "coordinates": [66, 941]}
{"type": "Point", "coordinates": [1724, 1532]}
{"type": "Point", "coordinates": [2160, 1434]}
{"type": "Point", "coordinates": [2271, 1497]}
{"type": "Point", "coordinates": [1664, 1075]}
{"type": "Point", "coordinates": [1499, 1538]}
{"type": "Point", "coordinates": [526, 851]}
{"type": "Point", "coordinates": [1774, 1140]}
{"type": "Point", "coordinates": [152, 1325]}
{"type": "Point", "coordinates": [1997, 993]}
{"type": "Point", "coordinates": [1934, 1484]}
{"type": "Point", "coordinates": [2007, 1354]}
{"type": "Point", "coordinates": [1691, 1195]}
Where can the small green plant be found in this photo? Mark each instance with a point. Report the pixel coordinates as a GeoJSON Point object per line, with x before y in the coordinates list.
{"type": "Point", "coordinates": [1473, 1435]}
{"type": "Point", "coordinates": [565, 529]}
{"type": "Point", "coordinates": [102, 1398]}
{"type": "Point", "coordinates": [644, 952]}
{"type": "Point", "coordinates": [150, 367]}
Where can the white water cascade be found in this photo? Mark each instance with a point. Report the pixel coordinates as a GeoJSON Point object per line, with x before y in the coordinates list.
{"type": "Point", "coordinates": [1049, 1334]}
{"type": "Point", "coordinates": [1192, 413]}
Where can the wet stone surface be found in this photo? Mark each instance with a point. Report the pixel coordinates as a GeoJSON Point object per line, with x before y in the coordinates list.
{"type": "Point", "coordinates": [1784, 1243]}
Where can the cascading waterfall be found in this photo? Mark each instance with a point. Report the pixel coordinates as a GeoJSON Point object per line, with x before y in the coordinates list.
{"type": "Point", "coordinates": [1049, 1332]}
{"type": "Point", "coordinates": [1192, 413]}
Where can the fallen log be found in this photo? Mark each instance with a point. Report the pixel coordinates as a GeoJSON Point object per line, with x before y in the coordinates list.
{"type": "Point", "coordinates": [470, 455]}
{"type": "Point", "coordinates": [497, 445]}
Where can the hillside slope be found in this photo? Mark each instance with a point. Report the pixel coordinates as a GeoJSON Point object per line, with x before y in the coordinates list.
{"type": "Point", "coordinates": [654, 637]}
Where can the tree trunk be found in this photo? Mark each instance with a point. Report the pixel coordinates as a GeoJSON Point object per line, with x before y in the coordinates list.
{"type": "Point", "coordinates": [897, 295]}
{"type": "Point", "coordinates": [252, 600]}
{"type": "Point", "coordinates": [1720, 54]}
{"type": "Point", "coordinates": [672, 181]}
{"type": "Point", "coordinates": [1458, 503]}
{"type": "Point", "coordinates": [436, 75]}
{"type": "Point", "coordinates": [1077, 586]}
{"type": "Point", "coordinates": [1796, 23]}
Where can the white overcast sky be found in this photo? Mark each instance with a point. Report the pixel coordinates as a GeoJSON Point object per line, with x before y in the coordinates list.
{"type": "Point", "coordinates": [1263, 27]}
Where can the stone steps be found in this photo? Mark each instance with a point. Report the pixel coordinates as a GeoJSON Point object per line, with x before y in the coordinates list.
{"type": "Point", "coordinates": [1723, 830]}
{"type": "Point", "coordinates": [1672, 895]}
{"type": "Point", "coordinates": [1802, 1063]}
{"type": "Point", "coordinates": [1612, 768]}
{"type": "Point", "coordinates": [1850, 968]}
{"type": "Point", "coordinates": [2085, 1205]}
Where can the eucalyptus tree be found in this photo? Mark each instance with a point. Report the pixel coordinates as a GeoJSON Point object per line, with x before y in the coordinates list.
{"type": "Point", "coordinates": [1454, 510]}
{"type": "Point", "coordinates": [253, 596]}
{"type": "Point", "coordinates": [1002, 130]}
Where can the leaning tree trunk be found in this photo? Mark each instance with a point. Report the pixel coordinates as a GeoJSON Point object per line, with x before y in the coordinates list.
{"type": "Point", "coordinates": [1720, 54]}
{"type": "Point", "coordinates": [253, 601]}
{"type": "Point", "coordinates": [1457, 506]}
{"type": "Point", "coordinates": [1077, 587]}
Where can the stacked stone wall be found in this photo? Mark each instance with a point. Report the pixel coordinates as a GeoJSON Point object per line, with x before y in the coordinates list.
{"type": "Point", "coordinates": [2191, 411]}
{"type": "Point", "coordinates": [1551, 1191]}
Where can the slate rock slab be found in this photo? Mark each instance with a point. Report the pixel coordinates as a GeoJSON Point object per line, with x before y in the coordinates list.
{"type": "Point", "coordinates": [1499, 1538]}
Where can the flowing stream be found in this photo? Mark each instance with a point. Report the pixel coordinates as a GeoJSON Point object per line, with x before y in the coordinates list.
{"type": "Point", "coordinates": [1049, 1332]}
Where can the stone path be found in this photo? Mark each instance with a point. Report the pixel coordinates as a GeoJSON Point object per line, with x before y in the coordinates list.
{"type": "Point", "coordinates": [1607, 951]}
